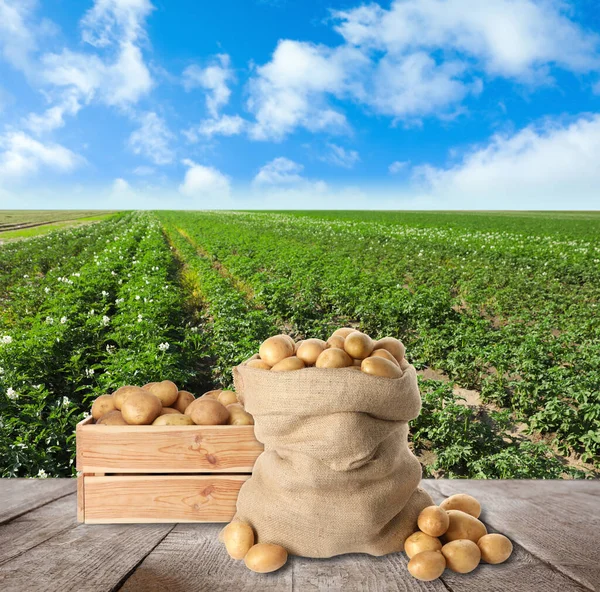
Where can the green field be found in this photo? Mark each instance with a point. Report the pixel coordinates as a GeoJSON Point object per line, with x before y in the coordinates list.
{"type": "Point", "coordinates": [498, 312]}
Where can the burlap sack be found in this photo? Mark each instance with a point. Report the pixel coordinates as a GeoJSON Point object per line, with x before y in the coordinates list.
{"type": "Point", "coordinates": [336, 475]}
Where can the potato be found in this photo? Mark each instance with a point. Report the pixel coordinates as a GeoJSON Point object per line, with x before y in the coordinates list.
{"type": "Point", "coordinates": [173, 419]}
{"type": "Point", "coordinates": [265, 558]}
{"type": "Point", "coordinates": [275, 349]}
{"type": "Point", "coordinates": [358, 345]}
{"type": "Point", "coordinates": [310, 350]}
{"type": "Point", "coordinates": [433, 521]}
{"type": "Point", "coordinates": [227, 398]}
{"type": "Point", "coordinates": [123, 392]}
{"type": "Point", "coordinates": [377, 366]}
{"type": "Point", "coordinates": [343, 332]}
{"type": "Point", "coordinates": [238, 538]}
{"type": "Point", "coordinates": [183, 400]}
{"type": "Point", "coordinates": [336, 341]}
{"type": "Point", "coordinates": [290, 339]}
{"type": "Point", "coordinates": [141, 408]}
{"type": "Point", "coordinates": [464, 526]}
{"type": "Point", "coordinates": [419, 542]}
{"type": "Point", "coordinates": [148, 385]}
{"type": "Point", "coordinates": [212, 394]}
{"type": "Point", "coordinates": [238, 415]}
{"type": "Point", "coordinates": [333, 358]}
{"type": "Point", "coordinates": [495, 548]}
{"type": "Point", "coordinates": [427, 566]}
{"type": "Point", "coordinates": [463, 502]}
{"type": "Point", "coordinates": [114, 417]}
{"type": "Point", "coordinates": [462, 555]}
{"type": "Point", "coordinates": [297, 346]}
{"type": "Point", "coordinates": [384, 353]}
{"type": "Point", "coordinates": [169, 411]}
{"type": "Point", "coordinates": [166, 391]}
{"type": "Point", "coordinates": [287, 364]}
{"type": "Point", "coordinates": [208, 412]}
{"type": "Point", "coordinates": [393, 345]}
{"type": "Point", "coordinates": [102, 405]}
{"type": "Point", "coordinates": [261, 364]}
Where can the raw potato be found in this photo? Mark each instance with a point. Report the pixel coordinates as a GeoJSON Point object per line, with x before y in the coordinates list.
{"type": "Point", "coordinates": [427, 566]}
{"type": "Point", "coordinates": [297, 346]}
{"type": "Point", "coordinates": [274, 349]}
{"type": "Point", "coordinates": [166, 391]}
{"type": "Point", "coordinates": [141, 408]}
{"type": "Point", "coordinates": [102, 405]}
{"type": "Point", "coordinates": [169, 411]}
{"type": "Point", "coordinates": [462, 556]}
{"type": "Point", "coordinates": [114, 417]}
{"type": "Point", "coordinates": [358, 345]}
{"type": "Point", "coordinates": [208, 412]}
{"type": "Point", "coordinates": [227, 398]}
{"type": "Point", "coordinates": [463, 502]}
{"type": "Point", "coordinates": [150, 384]}
{"type": "Point", "coordinates": [343, 332]}
{"type": "Point", "coordinates": [238, 538]}
{"type": "Point", "coordinates": [287, 364]}
{"type": "Point", "coordinates": [334, 358]}
{"type": "Point", "coordinates": [173, 419]}
{"type": "Point", "coordinates": [310, 350]}
{"type": "Point", "coordinates": [433, 521]}
{"type": "Point", "coordinates": [384, 353]}
{"type": "Point", "coordinates": [265, 558]}
{"type": "Point", "coordinates": [122, 393]}
{"type": "Point", "coordinates": [495, 548]}
{"type": "Point", "coordinates": [419, 542]}
{"type": "Point", "coordinates": [464, 526]}
{"type": "Point", "coordinates": [258, 364]}
{"type": "Point", "coordinates": [290, 339]}
{"type": "Point", "coordinates": [212, 394]}
{"type": "Point", "coordinates": [238, 415]}
{"type": "Point", "coordinates": [393, 345]}
{"type": "Point", "coordinates": [183, 400]}
{"type": "Point", "coordinates": [336, 341]}
{"type": "Point", "coordinates": [377, 366]}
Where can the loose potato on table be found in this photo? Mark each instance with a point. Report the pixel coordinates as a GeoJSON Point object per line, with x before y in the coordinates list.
{"type": "Point", "coordinates": [173, 419]}
{"type": "Point", "coordinates": [166, 391]}
{"type": "Point", "coordinates": [427, 565]}
{"type": "Point", "coordinates": [238, 538]}
{"type": "Point", "coordinates": [462, 556]}
{"type": "Point", "coordinates": [464, 526]}
{"type": "Point", "coordinates": [463, 502]}
{"type": "Point", "coordinates": [102, 405]}
{"type": "Point", "coordinates": [205, 411]}
{"type": "Point", "coordinates": [433, 521]}
{"type": "Point", "coordinates": [495, 548]}
{"type": "Point", "coordinates": [419, 541]}
{"type": "Point", "coordinates": [265, 558]}
{"type": "Point", "coordinates": [141, 408]}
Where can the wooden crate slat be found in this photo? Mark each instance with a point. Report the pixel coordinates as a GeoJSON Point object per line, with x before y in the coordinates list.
{"type": "Point", "coordinates": [156, 498]}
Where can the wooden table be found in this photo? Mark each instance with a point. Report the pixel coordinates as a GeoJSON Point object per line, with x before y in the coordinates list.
{"type": "Point", "coordinates": [554, 525]}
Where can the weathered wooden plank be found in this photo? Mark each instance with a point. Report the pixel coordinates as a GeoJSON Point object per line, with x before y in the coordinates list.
{"type": "Point", "coordinates": [36, 527]}
{"type": "Point", "coordinates": [18, 496]}
{"type": "Point", "coordinates": [191, 558]}
{"type": "Point", "coordinates": [82, 559]}
{"type": "Point", "coordinates": [166, 449]}
{"type": "Point", "coordinates": [556, 521]}
{"type": "Point", "coordinates": [155, 498]}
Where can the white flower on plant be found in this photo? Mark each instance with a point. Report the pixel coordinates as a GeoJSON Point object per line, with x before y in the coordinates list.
{"type": "Point", "coordinates": [66, 401]}
{"type": "Point", "coordinates": [1, 371]}
{"type": "Point", "coordinates": [105, 320]}
{"type": "Point", "coordinates": [7, 339]}
{"type": "Point", "coordinates": [49, 320]}
{"type": "Point", "coordinates": [89, 372]}
{"type": "Point", "coordinates": [12, 394]}
{"type": "Point", "coordinates": [63, 320]}
{"type": "Point", "coordinates": [194, 329]}
{"type": "Point", "coordinates": [47, 290]}
{"type": "Point", "coordinates": [140, 318]}
{"type": "Point", "coordinates": [119, 300]}
{"type": "Point", "coordinates": [163, 346]}
{"type": "Point", "coordinates": [110, 348]}
{"type": "Point", "coordinates": [104, 293]}
{"type": "Point", "coordinates": [137, 296]}
{"type": "Point", "coordinates": [86, 414]}
{"type": "Point", "coordinates": [42, 474]}
{"type": "Point", "coordinates": [112, 273]}
{"type": "Point", "coordinates": [77, 274]}
{"type": "Point", "coordinates": [25, 276]}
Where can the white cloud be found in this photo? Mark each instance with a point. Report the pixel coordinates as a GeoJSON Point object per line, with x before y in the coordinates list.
{"type": "Point", "coordinates": [53, 117]}
{"type": "Point", "coordinates": [283, 176]}
{"type": "Point", "coordinates": [152, 139]}
{"type": "Point", "coordinates": [214, 79]}
{"type": "Point", "coordinates": [204, 182]}
{"type": "Point", "coordinates": [226, 125]}
{"type": "Point", "coordinates": [22, 155]}
{"type": "Point", "coordinates": [513, 38]}
{"type": "Point", "coordinates": [397, 166]}
{"type": "Point", "coordinates": [121, 186]}
{"type": "Point", "coordinates": [550, 162]}
{"type": "Point", "coordinates": [17, 40]}
{"type": "Point", "coordinates": [143, 171]}
{"type": "Point", "coordinates": [290, 91]}
{"type": "Point", "coordinates": [341, 157]}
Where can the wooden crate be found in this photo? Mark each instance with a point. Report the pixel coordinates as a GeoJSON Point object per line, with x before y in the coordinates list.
{"type": "Point", "coordinates": [130, 474]}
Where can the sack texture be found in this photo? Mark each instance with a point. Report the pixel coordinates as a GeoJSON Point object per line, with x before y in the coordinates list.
{"type": "Point", "coordinates": [336, 475]}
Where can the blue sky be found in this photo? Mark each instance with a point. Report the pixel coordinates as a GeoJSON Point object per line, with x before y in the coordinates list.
{"type": "Point", "coordinates": [313, 104]}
